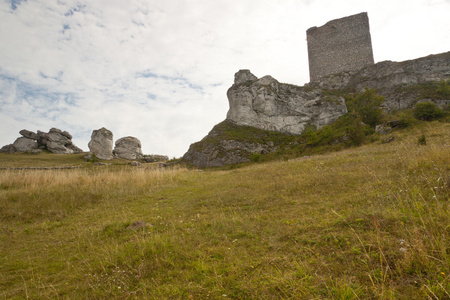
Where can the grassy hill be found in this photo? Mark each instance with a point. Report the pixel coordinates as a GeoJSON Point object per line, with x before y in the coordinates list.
{"type": "Point", "coordinates": [370, 222]}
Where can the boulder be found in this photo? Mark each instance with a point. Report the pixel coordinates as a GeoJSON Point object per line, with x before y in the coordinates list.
{"type": "Point", "coordinates": [101, 144]}
{"type": "Point", "coordinates": [128, 148]}
{"type": "Point", "coordinates": [383, 129]}
{"type": "Point", "coordinates": [24, 144]}
{"type": "Point", "coordinates": [57, 141]}
{"type": "Point", "coordinates": [29, 134]}
{"type": "Point", "coordinates": [155, 158]}
{"type": "Point", "coordinates": [7, 148]}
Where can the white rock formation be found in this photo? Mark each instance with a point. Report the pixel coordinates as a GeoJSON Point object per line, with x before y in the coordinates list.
{"type": "Point", "coordinates": [24, 144]}
{"type": "Point", "coordinates": [55, 141]}
{"type": "Point", "coordinates": [128, 148]}
{"type": "Point", "coordinates": [101, 144]}
{"type": "Point", "coordinates": [58, 141]}
{"type": "Point", "coordinates": [267, 104]}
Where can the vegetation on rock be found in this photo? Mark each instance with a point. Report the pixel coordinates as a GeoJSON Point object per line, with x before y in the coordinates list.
{"type": "Point", "coordinates": [352, 129]}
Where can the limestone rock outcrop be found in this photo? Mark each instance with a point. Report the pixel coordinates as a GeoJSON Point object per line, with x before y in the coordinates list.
{"type": "Point", "coordinates": [55, 141]}
{"type": "Point", "coordinates": [7, 149]}
{"type": "Point", "coordinates": [128, 148]}
{"type": "Point", "coordinates": [244, 76]}
{"type": "Point", "coordinates": [29, 134]}
{"type": "Point", "coordinates": [220, 148]}
{"type": "Point", "coordinates": [24, 144]}
{"type": "Point", "coordinates": [267, 104]}
{"type": "Point", "coordinates": [58, 141]}
{"type": "Point", "coordinates": [149, 158]}
{"type": "Point", "coordinates": [101, 144]}
{"type": "Point", "coordinates": [227, 152]}
{"type": "Point", "coordinates": [396, 81]}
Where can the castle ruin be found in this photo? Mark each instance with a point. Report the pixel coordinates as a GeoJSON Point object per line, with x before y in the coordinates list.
{"type": "Point", "coordinates": [339, 45]}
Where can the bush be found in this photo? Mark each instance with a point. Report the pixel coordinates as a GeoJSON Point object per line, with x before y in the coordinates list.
{"type": "Point", "coordinates": [427, 111]}
{"type": "Point", "coordinates": [310, 133]}
{"type": "Point", "coordinates": [351, 129]}
{"type": "Point", "coordinates": [422, 140]}
{"type": "Point", "coordinates": [444, 89]}
{"type": "Point", "coordinates": [405, 119]}
{"type": "Point", "coordinates": [357, 133]}
{"type": "Point", "coordinates": [367, 105]}
{"type": "Point", "coordinates": [255, 157]}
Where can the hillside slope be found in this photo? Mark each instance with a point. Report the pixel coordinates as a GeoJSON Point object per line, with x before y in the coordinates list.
{"type": "Point", "coordinates": [364, 223]}
{"type": "Point", "coordinates": [266, 104]}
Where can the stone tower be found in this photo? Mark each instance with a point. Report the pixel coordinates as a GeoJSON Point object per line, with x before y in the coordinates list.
{"type": "Point", "coordinates": [339, 45]}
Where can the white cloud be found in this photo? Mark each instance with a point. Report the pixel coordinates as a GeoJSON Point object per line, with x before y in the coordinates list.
{"type": "Point", "coordinates": [159, 70]}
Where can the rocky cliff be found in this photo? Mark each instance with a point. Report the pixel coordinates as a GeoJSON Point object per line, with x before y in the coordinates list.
{"type": "Point", "coordinates": [401, 83]}
{"type": "Point", "coordinates": [269, 105]}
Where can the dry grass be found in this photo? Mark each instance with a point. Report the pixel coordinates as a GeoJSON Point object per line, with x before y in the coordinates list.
{"type": "Point", "coordinates": [365, 223]}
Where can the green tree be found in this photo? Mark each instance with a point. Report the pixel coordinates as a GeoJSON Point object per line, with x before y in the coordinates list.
{"type": "Point", "coordinates": [367, 105]}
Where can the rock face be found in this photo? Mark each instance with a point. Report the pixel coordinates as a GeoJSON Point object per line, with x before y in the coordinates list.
{"type": "Point", "coordinates": [29, 134]}
{"type": "Point", "coordinates": [267, 104]}
{"type": "Point", "coordinates": [276, 107]}
{"type": "Point", "coordinates": [7, 149]}
{"type": "Point", "coordinates": [128, 148]}
{"type": "Point", "coordinates": [227, 152]}
{"type": "Point", "coordinates": [55, 141]}
{"type": "Point", "coordinates": [396, 81]}
{"type": "Point", "coordinates": [101, 144]}
{"type": "Point", "coordinates": [24, 144]}
{"type": "Point", "coordinates": [58, 141]}
{"type": "Point", "coordinates": [220, 148]}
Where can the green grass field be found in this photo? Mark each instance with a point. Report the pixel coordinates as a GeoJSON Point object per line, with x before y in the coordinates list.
{"type": "Point", "coordinates": [370, 222]}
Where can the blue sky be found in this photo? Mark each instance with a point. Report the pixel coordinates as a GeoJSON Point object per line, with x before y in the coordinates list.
{"type": "Point", "coordinates": [159, 70]}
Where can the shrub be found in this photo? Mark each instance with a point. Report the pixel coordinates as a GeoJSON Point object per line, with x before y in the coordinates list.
{"type": "Point", "coordinates": [312, 139]}
{"type": "Point", "coordinates": [405, 119]}
{"type": "Point", "coordinates": [444, 88]}
{"type": "Point", "coordinates": [367, 105]}
{"type": "Point", "coordinates": [255, 157]}
{"type": "Point", "coordinates": [356, 133]}
{"type": "Point", "coordinates": [427, 111]}
{"type": "Point", "coordinates": [422, 140]}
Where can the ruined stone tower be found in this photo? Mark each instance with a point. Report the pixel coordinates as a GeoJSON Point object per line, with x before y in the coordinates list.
{"type": "Point", "coordinates": [339, 45]}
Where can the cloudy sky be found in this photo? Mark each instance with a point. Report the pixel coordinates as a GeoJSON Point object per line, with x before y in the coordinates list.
{"type": "Point", "coordinates": [159, 69]}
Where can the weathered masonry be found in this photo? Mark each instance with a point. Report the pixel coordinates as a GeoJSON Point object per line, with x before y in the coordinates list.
{"type": "Point", "coordinates": [339, 45]}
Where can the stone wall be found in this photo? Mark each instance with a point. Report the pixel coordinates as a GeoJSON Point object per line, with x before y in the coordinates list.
{"type": "Point", "coordinates": [339, 45]}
